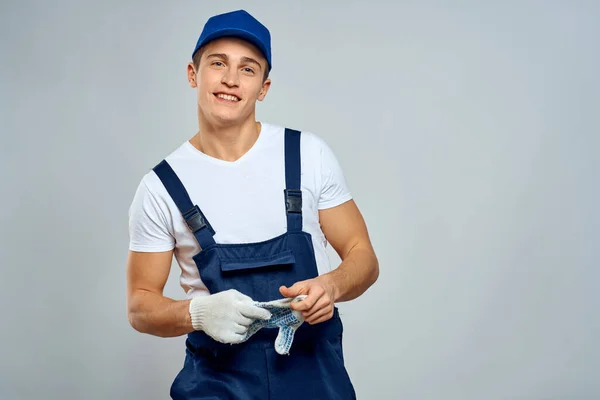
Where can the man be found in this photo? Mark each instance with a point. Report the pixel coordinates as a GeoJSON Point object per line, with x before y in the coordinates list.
{"type": "Point", "coordinates": [247, 209]}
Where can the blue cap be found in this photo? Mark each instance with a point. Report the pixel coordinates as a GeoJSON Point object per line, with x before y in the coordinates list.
{"type": "Point", "coordinates": [238, 24]}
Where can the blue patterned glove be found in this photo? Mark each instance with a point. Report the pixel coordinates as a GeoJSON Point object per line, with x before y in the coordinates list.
{"type": "Point", "coordinates": [282, 317]}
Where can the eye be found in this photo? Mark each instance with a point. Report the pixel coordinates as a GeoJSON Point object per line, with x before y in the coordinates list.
{"type": "Point", "coordinates": [217, 63]}
{"type": "Point", "coordinates": [249, 70]}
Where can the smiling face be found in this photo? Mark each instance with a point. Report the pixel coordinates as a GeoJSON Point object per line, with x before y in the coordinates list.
{"type": "Point", "coordinates": [229, 79]}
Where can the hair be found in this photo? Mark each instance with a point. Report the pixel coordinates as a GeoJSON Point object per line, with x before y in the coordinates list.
{"type": "Point", "coordinates": [198, 55]}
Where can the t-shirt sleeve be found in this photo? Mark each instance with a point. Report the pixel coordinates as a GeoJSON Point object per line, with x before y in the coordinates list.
{"type": "Point", "coordinates": [148, 227]}
{"type": "Point", "coordinates": [334, 189]}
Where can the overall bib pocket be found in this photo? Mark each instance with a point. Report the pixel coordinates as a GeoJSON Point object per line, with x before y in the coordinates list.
{"type": "Point", "coordinates": [272, 261]}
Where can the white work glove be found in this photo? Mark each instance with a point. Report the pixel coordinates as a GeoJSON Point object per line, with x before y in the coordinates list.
{"type": "Point", "coordinates": [225, 316]}
{"type": "Point", "coordinates": [284, 318]}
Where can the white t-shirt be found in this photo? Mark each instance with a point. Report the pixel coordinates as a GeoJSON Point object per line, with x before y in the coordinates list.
{"type": "Point", "coordinates": [242, 200]}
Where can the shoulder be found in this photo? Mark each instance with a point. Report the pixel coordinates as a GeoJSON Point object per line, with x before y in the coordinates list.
{"type": "Point", "coordinates": [150, 184]}
{"type": "Point", "coordinates": [311, 143]}
{"type": "Point", "coordinates": [309, 138]}
{"type": "Point", "coordinates": [315, 146]}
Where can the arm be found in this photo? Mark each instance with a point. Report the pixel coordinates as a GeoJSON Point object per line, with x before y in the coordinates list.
{"type": "Point", "coordinates": [224, 316]}
{"type": "Point", "coordinates": [345, 229]}
{"type": "Point", "coordinates": [147, 309]}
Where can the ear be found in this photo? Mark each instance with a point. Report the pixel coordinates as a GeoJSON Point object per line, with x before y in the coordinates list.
{"type": "Point", "coordinates": [265, 88]}
{"type": "Point", "coordinates": [191, 75]}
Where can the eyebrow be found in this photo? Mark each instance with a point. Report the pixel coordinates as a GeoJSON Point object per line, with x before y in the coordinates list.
{"type": "Point", "coordinates": [225, 57]}
{"type": "Point", "coordinates": [219, 55]}
{"type": "Point", "coordinates": [251, 60]}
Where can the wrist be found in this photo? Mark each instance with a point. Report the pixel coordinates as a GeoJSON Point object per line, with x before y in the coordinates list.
{"type": "Point", "coordinates": [329, 281]}
{"type": "Point", "coordinates": [187, 318]}
{"type": "Point", "coordinates": [196, 311]}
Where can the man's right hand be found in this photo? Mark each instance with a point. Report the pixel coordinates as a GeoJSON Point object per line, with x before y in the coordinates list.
{"type": "Point", "coordinates": [225, 316]}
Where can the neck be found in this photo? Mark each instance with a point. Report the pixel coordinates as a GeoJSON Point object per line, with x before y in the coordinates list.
{"type": "Point", "coordinates": [226, 142]}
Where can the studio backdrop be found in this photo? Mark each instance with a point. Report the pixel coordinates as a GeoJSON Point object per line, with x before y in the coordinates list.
{"type": "Point", "coordinates": [468, 133]}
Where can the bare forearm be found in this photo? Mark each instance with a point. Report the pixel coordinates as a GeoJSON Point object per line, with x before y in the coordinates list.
{"type": "Point", "coordinates": [357, 272]}
{"type": "Point", "coordinates": [157, 315]}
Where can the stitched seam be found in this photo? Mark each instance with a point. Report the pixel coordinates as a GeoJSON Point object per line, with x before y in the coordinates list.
{"type": "Point", "coordinates": [270, 258]}
{"type": "Point", "coordinates": [268, 378]}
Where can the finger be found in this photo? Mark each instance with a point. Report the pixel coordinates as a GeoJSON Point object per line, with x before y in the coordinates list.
{"type": "Point", "coordinates": [229, 337]}
{"type": "Point", "coordinates": [294, 290]}
{"type": "Point", "coordinates": [243, 321]}
{"type": "Point", "coordinates": [239, 329]}
{"type": "Point", "coordinates": [236, 294]}
{"type": "Point", "coordinates": [254, 312]}
{"type": "Point", "coordinates": [234, 338]}
{"type": "Point", "coordinates": [322, 316]}
{"type": "Point", "coordinates": [314, 294]}
{"type": "Point", "coordinates": [322, 303]}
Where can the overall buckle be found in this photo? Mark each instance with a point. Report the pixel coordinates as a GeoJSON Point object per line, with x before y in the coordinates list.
{"type": "Point", "coordinates": [293, 201]}
{"type": "Point", "coordinates": [194, 219]}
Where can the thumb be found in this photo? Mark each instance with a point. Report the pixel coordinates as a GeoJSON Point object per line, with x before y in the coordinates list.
{"type": "Point", "coordinates": [295, 290]}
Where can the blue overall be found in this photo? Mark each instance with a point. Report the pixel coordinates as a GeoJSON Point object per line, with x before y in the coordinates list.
{"type": "Point", "coordinates": [252, 370]}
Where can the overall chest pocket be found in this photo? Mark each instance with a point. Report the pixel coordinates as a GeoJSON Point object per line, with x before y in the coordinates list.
{"type": "Point", "coordinates": [282, 260]}
{"type": "Point", "coordinates": [257, 270]}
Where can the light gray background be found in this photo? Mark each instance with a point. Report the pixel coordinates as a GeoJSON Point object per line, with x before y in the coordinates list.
{"type": "Point", "coordinates": [468, 134]}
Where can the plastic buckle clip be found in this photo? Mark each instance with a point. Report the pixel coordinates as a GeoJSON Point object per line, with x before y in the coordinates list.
{"type": "Point", "coordinates": [194, 219]}
{"type": "Point", "coordinates": [293, 201]}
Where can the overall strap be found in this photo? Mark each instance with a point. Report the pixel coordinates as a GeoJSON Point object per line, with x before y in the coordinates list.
{"type": "Point", "coordinates": [292, 192]}
{"type": "Point", "coordinates": [194, 218]}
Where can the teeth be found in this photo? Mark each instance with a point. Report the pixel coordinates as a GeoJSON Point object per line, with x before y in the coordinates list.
{"type": "Point", "coordinates": [227, 97]}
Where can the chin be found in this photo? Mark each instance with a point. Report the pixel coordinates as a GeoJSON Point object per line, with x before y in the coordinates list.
{"type": "Point", "coordinates": [227, 119]}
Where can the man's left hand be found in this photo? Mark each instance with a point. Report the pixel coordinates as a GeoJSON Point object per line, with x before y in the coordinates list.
{"type": "Point", "coordinates": [318, 305]}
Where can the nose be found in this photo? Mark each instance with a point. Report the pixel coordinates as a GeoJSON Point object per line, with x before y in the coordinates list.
{"type": "Point", "coordinates": [230, 77]}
